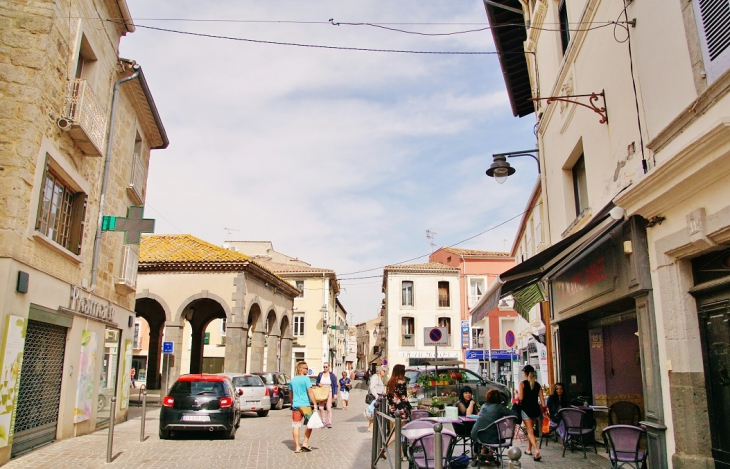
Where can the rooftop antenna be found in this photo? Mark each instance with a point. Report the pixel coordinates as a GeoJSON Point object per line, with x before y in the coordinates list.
{"type": "Point", "coordinates": [228, 233]}
{"type": "Point", "coordinates": [431, 235]}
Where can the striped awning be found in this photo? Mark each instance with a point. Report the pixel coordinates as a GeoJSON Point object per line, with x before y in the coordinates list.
{"type": "Point", "coordinates": [528, 297]}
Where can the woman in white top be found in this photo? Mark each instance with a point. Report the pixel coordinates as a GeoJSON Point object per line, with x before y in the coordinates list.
{"type": "Point", "coordinates": [326, 377]}
{"type": "Point", "coordinates": [376, 388]}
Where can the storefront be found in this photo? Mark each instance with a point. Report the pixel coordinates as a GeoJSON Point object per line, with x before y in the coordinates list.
{"type": "Point", "coordinates": [63, 351]}
{"type": "Point", "coordinates": [603, 328]}
{"type": "Point", "coordinates": [495, 365]}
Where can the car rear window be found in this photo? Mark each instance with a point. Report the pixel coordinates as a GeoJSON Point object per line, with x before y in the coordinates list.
{"type": "Point", "coordinates": [411, 376]}
{"type": "Point", "coordinates": [247, 381]}
{"type": "Point", "coordinates": [194, 388]}
{"type": "Point", "coordinates": [267, 377]}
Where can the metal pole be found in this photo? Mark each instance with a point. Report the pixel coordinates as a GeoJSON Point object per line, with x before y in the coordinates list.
{"type": "Point", "coordinates": [435, 360]}
{"type": "Point", "coordinates": [376, 436]}
{"type": "Point", "coordinates": [438, 462]}
{"type": "Point", "coordinates": [397, 457]}
{"type": "Point", "coordinates": [144, 412]}
{"type": "Point", "coordinates": [110, 438]}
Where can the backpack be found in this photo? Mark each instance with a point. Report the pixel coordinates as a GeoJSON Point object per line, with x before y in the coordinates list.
{"type": "Point", "coordinates": [459, 462]}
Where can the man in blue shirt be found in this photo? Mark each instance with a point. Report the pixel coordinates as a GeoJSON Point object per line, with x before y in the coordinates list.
{"type": "Point", "coordinates": [301, 397]}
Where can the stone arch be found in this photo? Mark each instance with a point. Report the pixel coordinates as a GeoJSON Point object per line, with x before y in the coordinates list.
{"type": "Point", "coordinates": [199, 312]}
{"type": "Point", "coordinates": [152, 310]}
{"type": "Point", "coordinates": [273, 341]}
{"type": "Point", "coordinates": [257, 336]}
{"type": "Point", "coordinates": [157, 298]}
{"type": "Point", "coordinates": [205, 294]}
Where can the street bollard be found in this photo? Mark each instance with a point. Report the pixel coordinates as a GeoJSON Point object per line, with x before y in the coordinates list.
{"type": "Point", "coordinates": [514, 454]}
{"type": "Point", "coordinates": [110, 438]}
{"type": "Point", "coordinates": [398, 457]}
{"type": "Point", "coordinates": [376, 430]}
{"type": "Point", "coordinates": [144, 412]}
{"type": "Point", "coordinates": [438, 462]}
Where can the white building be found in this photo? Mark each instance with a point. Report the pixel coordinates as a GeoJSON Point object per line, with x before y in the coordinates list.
{"type": "Point", "coordinates": [420, 296]}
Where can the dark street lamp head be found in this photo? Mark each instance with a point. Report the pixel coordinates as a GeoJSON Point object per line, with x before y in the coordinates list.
{"type": "Point", "coordinates": [500, 169]}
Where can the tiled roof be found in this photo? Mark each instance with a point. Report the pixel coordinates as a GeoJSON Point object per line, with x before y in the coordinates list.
{"type": "Point", "coordinates": [428, 266]}
{"type": "Point", "coordinates": [283, 269]}
{"type": "Point", "coordinates": [185, 248]}
{"type": "Point", "coordinates": [476, 253]}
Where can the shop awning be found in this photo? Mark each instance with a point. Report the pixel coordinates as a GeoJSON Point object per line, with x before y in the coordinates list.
{"type": "Point", "coordinates": [523, 280]}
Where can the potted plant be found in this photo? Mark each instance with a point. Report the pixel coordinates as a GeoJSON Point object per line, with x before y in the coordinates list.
{"type": "Point", "coordinates": [444, 379]}
{"type": "Point", "coordinates": [437, 403]}
{"type": "Point", "coordinates": [457, 377]}
{"type": "Point", "coordinates": [427, 380]}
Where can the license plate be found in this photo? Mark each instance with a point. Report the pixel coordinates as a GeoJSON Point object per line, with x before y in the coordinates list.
{"type": "Point", "coordinates": [253, 402]}
{"type": "Point", "coordinates": [196, 418]}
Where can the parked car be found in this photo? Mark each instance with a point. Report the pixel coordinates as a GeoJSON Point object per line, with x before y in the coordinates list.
{"type": "Point", "coordinates": [278, 385]}
{"type": "Point", "coordinates": [313, 379]}
{"type": "Point", "coordinates": [359, 374]}
{"type": "Point", "coordinates": [479, 385]}
{"type": "Point", "coordinates": [254, 396]}
{"type": "Point", "coordinates": [200, 402]}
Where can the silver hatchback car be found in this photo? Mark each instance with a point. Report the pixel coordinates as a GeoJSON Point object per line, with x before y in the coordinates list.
{"type": "Point", "coordinates": [255, 397]}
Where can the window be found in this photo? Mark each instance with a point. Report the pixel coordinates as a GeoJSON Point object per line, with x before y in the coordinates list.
{"type": "Point", "coordinates": [476, 290]}
{"type": "Point", "coordinates": [446, 322]}
{"type": "Point", "coordinates": [407, 297]}
{"type": "Point", "coordinates": [300, 287]}
{"type": "Point", "coordinates": [61, 212]}
{"type": "Point", "coordinates": [580, 186]}
{"type": "Point", "coordinates": [298, 325]}
{"type": "Point", "coordinates": [86, 64]}
{"type": "Point", "coordinates": [407, 326]}
{"type": "Point", "coordinates": [713, 26]}
{"type": "Point", "coordinates": [477, 338]}
{"type": "Point", "coordinates": [444, 299]}
{"type": "Point", "coordinates": [564, 25]}
{"type": "Point", "coordinates": [137, 335]}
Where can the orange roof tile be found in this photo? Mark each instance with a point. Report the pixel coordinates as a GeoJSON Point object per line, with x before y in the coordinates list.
{"type": "Point", "coordinates": [475, 252]}
{"type": "Point", "coordinates": [185, 248]}
{"type": "Point", "coordinates": [428, 266]}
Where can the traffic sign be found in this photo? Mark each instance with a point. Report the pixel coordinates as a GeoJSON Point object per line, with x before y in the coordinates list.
{"type": "Point", "coordinates": [167, 347]}
{"type": "Point", "coordinates": [509, 338]}
{"type": "Point", "coordinates": [435, 336]}
{"type": "Point", "coordinates": [384, 362]}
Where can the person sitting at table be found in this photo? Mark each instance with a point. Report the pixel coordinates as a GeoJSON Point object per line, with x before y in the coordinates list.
{"type": "Point", "coordinates": [467, 405]}
{"type": "Point", "coordinates": [556, 401]}
{"type": "Point", "coordinates": [491, 411]}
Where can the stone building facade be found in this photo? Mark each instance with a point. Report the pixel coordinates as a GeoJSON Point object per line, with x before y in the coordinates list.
{"type": "Point", "coordinates": [68, 290]}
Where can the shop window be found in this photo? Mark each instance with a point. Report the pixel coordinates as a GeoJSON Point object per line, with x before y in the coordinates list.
{"type": "Point", "coordinates": [444, 299]}
{"type": "Point", "coordinates": [407, 293]}
{"type": "Point", "coordinates": [713, 26]}
{"type": "Point", "coordinates": [61, 211]}
{"type": "Point", "coordinates": [580, 186]}
{"type": "Point", "coordinates": [298, 325]}
{"type": "Point", "coordinates": [564, 25]}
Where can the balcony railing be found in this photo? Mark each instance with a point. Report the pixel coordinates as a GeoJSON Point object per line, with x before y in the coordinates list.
{"type": "Point", "coordinates": [128, 276]}
{"type": "Point", "coordinates": [408, 340]}
{"type": "Point", "coordinates": [136, 183]}
{"type": "Point", "coordinates": [87, 118]}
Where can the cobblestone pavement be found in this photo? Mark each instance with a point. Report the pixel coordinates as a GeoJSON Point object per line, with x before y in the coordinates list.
{"type": "Point", "coordinates": [260, 443]}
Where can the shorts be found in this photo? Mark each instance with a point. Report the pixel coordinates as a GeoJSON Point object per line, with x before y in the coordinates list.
{"type": "Point", "coordinates": [300, 415]}
{"type": "Point", "coordinates": [344, 395]}
{"type": "Point", "coordinates": [527, 417]}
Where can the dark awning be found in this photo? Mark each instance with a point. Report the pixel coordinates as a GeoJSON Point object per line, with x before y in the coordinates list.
{"type": "Point", "coordinates": [528, 273]}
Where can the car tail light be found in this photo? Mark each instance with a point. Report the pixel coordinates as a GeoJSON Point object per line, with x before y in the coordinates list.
{"type": "Point", "coordinates": [266, 391]}
{"type": "Point", "coordinates": [226, 402]}
{"type": "Point", "coordinates": [276, 389]}
{"type": "Point", "coordinates": [168, 401]}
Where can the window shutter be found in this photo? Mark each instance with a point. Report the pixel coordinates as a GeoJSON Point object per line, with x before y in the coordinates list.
{"type": "Point", "coordinates": [78, 217]}
{"type": "Point", "coordinates": [713, 24]}
{"type": "Point", "coordinates": [40, 199]}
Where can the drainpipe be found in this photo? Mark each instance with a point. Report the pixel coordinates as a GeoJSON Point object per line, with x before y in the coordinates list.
{"type": "Point", "coordinates": [105, 178]}
{"type": "Point", "coordinates": [464, 305]}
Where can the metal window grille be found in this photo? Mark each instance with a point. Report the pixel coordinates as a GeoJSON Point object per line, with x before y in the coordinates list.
{"type": "Point", "coordinates": [130, 260]}
{"type": "Point", "coordinates": [55, 211]}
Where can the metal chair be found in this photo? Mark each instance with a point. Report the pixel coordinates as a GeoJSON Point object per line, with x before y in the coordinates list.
{"type": "Point", "coordinates": [421, 451]}
{"type": "Point", "coordinates": [553, 432]}
{"type": "Point", "coordinates": [463, 435]}
{"type": "Point", "coordinates": [624, 443]}
{"type": "Point", "coordinates": [624, 413]}
{"type": "Point", "coordinates": [506, 428]}
{"type": "Point", "coordinates": [419, 414]}
{"type": "Point", "coordinates": [576, 429]}
{"type": "Point", "coordinates": [411, 425]}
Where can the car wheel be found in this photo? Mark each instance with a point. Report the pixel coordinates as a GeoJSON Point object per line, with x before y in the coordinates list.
{"type": "Point", "coordinates": [263, 413]}
{"type": "Point", "coordinates": [100, 402]}
{"type": "Point", "coordinates": [165, 434]}
{"type": "Point", "coordinates": [230, 434]}
{"type": "Point", "coordinates": [279, 404]}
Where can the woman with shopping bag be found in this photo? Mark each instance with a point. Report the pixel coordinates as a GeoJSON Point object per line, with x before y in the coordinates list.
{"type": "Point", "coordinates": [326, 380]}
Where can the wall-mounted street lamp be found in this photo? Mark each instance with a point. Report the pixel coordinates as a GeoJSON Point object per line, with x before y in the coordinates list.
{"type": "Point", "coordinates": [501, 169]}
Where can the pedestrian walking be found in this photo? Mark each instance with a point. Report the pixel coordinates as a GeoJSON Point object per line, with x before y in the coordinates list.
{"type": "Point", "coordinates": [375, 389]}
{"type": "Point", "coordinates": [132, 373]}
{"type": "Point", "coordinates": [301, 397]}
{"type": "Point", "coordinates": [327, 378]}
{"type": "Point", "coordinates": [345, 385]}
{"type": "Point", "coordinates": [532, 401]}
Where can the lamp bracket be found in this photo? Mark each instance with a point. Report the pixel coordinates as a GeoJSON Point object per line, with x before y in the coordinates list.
{"type": "Point", "coordinates": [592, 99]}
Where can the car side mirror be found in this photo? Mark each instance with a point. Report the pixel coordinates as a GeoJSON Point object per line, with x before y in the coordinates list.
{"type": "Point", "coordinates": [240, 392]}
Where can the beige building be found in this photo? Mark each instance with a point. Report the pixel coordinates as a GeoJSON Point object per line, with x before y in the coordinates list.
{"type": "Point", "coordinates": [316, 309]}
{"type": "Point", "coordinates": [368, 349]}
{"type": "Point", "coordinates": [78, 124]}
{"type": "Point", "coordinates": [191, 292]}
{"type": "Point", "coordinates": [634, 151]}
{"type": "Point", "coordinates": [420, 296]}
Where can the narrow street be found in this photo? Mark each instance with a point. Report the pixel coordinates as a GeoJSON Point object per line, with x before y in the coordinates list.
{"type": "Point", "coordinates": [260, 443]}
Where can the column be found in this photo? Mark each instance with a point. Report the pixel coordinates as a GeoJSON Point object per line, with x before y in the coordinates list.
{"type": "Point", "coordinates": [236, 347]}
{"type": "Point", "coordinates": [272, 350]}
{"type": "Point", "coordinates": [154, 356]}
{"type": "Point", "coordinates": [286, 356]}
{"type": "Point", "coordinates": [196, 348]}
{"type": "Point", "coordinates": [257, 351]}
{"type": "Point", "coordinates": [173, 333]}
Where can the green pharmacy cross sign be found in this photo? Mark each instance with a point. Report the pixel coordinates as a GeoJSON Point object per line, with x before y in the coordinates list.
{"type": "Point", "coordinates": [134, 225]}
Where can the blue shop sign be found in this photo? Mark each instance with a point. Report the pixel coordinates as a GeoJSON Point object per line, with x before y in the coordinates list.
{"type": "Point", "coordinates": [484, 355]}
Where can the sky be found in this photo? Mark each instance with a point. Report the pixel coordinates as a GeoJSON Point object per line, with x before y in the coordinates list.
{"type": "Point", "coordinates": [341, 158]}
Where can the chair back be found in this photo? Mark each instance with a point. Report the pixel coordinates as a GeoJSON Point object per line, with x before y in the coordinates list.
{"type": "Point", "coordinates": [624, 442]}
{"type": "Point", "coordinates": [624, 413]}
{"type": "Point", "coordinates": [506, 427]}
{"type": "Point", "coordinates": [419, 414]}
{"type": "Point", "coordinates": [417, 424]}
{"type": "Point", "coordinates": [424, 453]}
{"type": "Point", "coordinates": [572, 418]}
{"type": "Point", "coordinates": [462, 429]}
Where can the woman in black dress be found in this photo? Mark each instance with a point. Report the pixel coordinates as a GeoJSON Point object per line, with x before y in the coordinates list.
{"type": "Point", "coordinates": [556, 401]}
{"type": "Point", "coordinates": [467, 405]}
{"type": "Point", "coordinates": [531, 401]}
{"type": "Point", "coordinates": [397, 393]}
